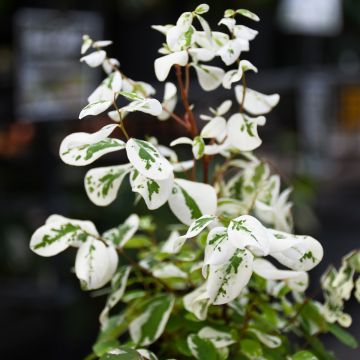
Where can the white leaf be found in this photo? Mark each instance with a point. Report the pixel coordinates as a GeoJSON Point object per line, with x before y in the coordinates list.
{"type": "Point", "coordinates": [302, 256]}
{"type": "Point", "coordinates": [271, 341]}
{"type": "Point", "coordinates": [162, 28]}
{"type": "Point", "coordinates": [220, 339]}
{"type": "Point", "coordinates": [213, 128]}
{"type": "Point", "coordinates": [255, 102]}
{"type": "Point", "coordinates": [247, 231]}
{"type": "Point", "coordinates": [218, 248]}
{"type": "Point", "coordinates": [233, 76]}
{"type": "Point", "coordinates": [148, 106]}
{"type": "Point", "coordinates": [58, 234]}
{"type": "Point", "coordinates": [205, 26]}
{"type": "Point", "coordinates": [94, 59]}
{"type": "Point", "coordinates": [147, 160]}
{"type": "Point", "coordinates": [242, 131]}
{"type": "Point", "coordinates": [201, 54]}
{"type": "Point", "coordinates": [118, 284]}
{"type": "Point", "coordinates": [150, 324]}
{"type": "Point", "coordinates": [87, 42]}
{"type": "Point", "coordinates": [229, 23]}
{"type": "Point", "coordinates": [181, 141]}
{"type": "Point", "coordinates": [280, 241]}
{"type": "Point", "coordinates": [199, 225]}
{"type": "Point", "coordinates": [109, 65]}
{"type": "Point", "coordinates": [82, 148]}
{"type": "Point", "coordinates": [197, 302]}
{"type": "Point", "coordinates": [107, 89]}
{"type": "Point", "coordinates": [218, 40]}
{"type": "Point", "coordinates": [223, 108]}
{"type": "Point", "coordinates": [169, 102]}
{"type": "Point", "coordinates": [244, 32]}
{"type": "Point", "coordinates": [164, 63]}
{"type": "Point", "coordinates": [267, 270]}
{"type": "Point", "coordinates": [102, 184]}
{"type": "Point", "coordinates": [183, 166]}
{"type": "Point", "coordinates": [210, 77]}
{"type": "Point", "coordinates": [299, 283]}
{"type": "Point", "coordinates": [231, 51]}
{"type": "Point", "coordinates": [102, 43]}
{"type": "Point", "coordinates": [154, 192]}
{"type": "Point", "coordinates": [95, 264]}
{"type": "Point", "coordinates": [120, 235]}
{"type": "Point", "coordinates": [225, 282]}
{"type": "Point", "coordinates": [95, 108]}
{"type": "Point", "coordinates": [173, 243]}
{"type": "Point", "coordinates": [168, 270]}
{"type": "Point", "coordinates": [190, 200]}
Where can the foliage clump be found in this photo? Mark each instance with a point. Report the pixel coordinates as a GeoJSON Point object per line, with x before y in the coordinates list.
{"type": "Point", "coordinates": [211, 290]}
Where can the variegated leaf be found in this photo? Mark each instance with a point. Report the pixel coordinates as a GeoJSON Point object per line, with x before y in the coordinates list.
{"type": "Point", "coordinates": [154, 192]}
{"type": "Point", "coordinates": [147, 160]}
{"type": "Point", "coordinates": [190, 200]}
{"type": "Point", "coordinates": [102, 184]}
{"type": "Point", "coordinates": [82, 148]}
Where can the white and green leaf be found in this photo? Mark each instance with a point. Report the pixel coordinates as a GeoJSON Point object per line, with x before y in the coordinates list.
{"type": "Point", "coordinates": [190, 200]}
{"type": "Point", "coordinates": [82, 148]}
{"type": "Point", "coordinates": [147, 160]}
{"type": "Point", "coordinates": [102, 184]}
{"type": "Point", "coordinates": [95, 264]}
{"type": "Point", "coordinates": [154, 192]}
{"type": "Point", "coordinates": [120, 235]}
{"type": "Point", "coordinates": [118, 285]}
{"type": "Point", "coordinates": [150, 324]}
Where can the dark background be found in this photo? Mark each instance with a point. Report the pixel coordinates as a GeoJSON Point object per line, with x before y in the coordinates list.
{"type": "Point", "coordinates": [313, 136]}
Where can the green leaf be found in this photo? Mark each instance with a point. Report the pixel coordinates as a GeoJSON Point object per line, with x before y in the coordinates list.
{"type": "Point", "coordinates": [251, 349]}
{"type": "Point", "coordinates": [248, 14]}
{"type": "Point", "coordinates": [343, 336]}
{"type": "Point", "coordinates": [138, 242]}
{"type": "Point", "coordinates": [303, 355]}
{"type": "Point", "coordinates": [198, 147]}
{"type": "Point", "coordinates": [150, 324]}
{"type": "Point", "coordinates": [229, 13]}
{"type": "Point", "coordinates": [201, 349]}
{"type": "Point", "coordinates": [104, 347]}
{"type": "Point", "coordinates": [201, 9]}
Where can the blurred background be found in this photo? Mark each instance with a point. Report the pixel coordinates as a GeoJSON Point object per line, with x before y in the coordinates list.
{"type": "Point", "coordinates": [307, 50]}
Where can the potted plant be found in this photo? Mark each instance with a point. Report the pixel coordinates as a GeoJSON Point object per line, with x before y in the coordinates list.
{"type": "Point", "coordinates": [211, 289]}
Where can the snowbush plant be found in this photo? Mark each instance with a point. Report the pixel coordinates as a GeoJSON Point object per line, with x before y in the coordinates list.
{"type": "Point", "coordinates": [230, 280]}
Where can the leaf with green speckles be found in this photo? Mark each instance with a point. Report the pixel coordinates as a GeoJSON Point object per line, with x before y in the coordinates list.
{"type": "Point", "coordinates": [123, 233]}
{"type": "Point", "coordinates": [147, 160]}
{"type": "Point", "coordinates": [154, 192]}
{"type": "Point", "coordinates": [226, 281]}
{"type": "Point", "coordinates": [59, 233]}
{"type": "Point", "coordinates": [102, 184]}
{"type": "Point", "coordinates": [81, 148]}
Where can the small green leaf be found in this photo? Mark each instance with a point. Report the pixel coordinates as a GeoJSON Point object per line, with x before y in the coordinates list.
{"type": "Point", "coordinates": [202, 9]}
{"type": "Point", "coordinates": [343, 336]}
{"type": "Point", "coordinates": [201, 349]}
{"type": "Point", "coordinates": [248, 14]}
{"type": "Point", "coordinates": [303, 355]}
{"type": "Point", "coordinates": [251, 349]}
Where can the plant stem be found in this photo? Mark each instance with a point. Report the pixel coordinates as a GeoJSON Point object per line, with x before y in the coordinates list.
{"type": "Point", "coordinates": [121, 123]}
{"type": "Point", "coordinates": [184, 96]}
